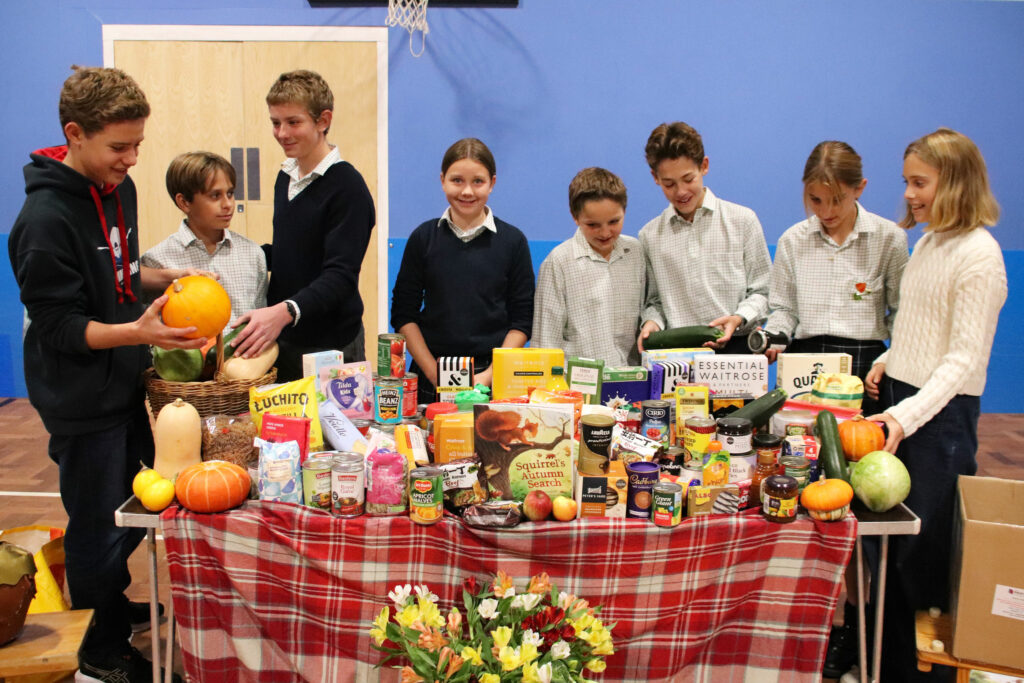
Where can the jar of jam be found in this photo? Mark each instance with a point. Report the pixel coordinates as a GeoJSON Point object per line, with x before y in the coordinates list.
{"type": "Point", "coordinates": [779, 498]}
{"type": "Point", "coordinates": [764, 441]}
{"type": "Point", "coordinates": [735, 434]}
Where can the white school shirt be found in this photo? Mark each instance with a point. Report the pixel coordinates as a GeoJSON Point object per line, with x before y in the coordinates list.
{"type": "Point", "coordinates": [468, 235]}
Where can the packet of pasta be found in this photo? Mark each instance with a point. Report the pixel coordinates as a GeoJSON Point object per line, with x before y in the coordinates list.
{"type": "Point", "coordinates": [294, 399]}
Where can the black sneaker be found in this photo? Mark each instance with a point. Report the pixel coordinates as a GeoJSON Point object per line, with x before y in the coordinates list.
{"type": "Point", "coordinates": [138, 614]}
{"type": "Point", "coordinates": [842, 653]}
{"type": "Point", "coordinates": [130, 667]}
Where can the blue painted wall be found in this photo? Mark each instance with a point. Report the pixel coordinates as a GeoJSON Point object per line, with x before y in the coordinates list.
{"type": "Point", "coordinates": [556, 86]}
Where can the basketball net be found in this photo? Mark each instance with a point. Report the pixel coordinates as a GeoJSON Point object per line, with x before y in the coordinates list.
{"type": "Point", "coordinates": [412, 16]}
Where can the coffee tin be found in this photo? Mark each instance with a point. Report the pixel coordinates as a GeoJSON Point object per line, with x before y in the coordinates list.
{"type": "Point", "coordinates": [316, 480]}
{"type": "Point", "coordinates": [391, 355]}
{"type": "Point", "coordinates": [667, 499]}
{"type": "Point", "coordinates": [426, 495]}
{"type": "Point", "coordinates": [348, 488]}
{"type": "Point", "coordinates": [642, 477]}
{"type": "Point", "coordinates": [387, 400]}
{"type": "Point", "coordinates": [595, 441]}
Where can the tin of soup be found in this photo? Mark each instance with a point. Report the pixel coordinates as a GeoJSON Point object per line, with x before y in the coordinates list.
{"type": "Point", "coordinates": [426, 495]}
{"type": "Point", "coordinates": [410, 394]}
{"type": "Point", "coordinates": [316, 480]}
{"type": "Point", "coordinates": [642, 478]}
{"type": "Point", "coordinates": [655, 420]}
{"type": "Point", "coordinates": [387, 400]}
{"type": "Point", "coordinates": [668, 504]}
{"type": "Point", "coordinates": [348, 488]}
{"type": "Point", "coordinates": [391, 355]}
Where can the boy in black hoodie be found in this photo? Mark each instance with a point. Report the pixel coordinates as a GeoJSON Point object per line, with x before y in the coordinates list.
{"type": "Point", "coordinates": [74, 250]}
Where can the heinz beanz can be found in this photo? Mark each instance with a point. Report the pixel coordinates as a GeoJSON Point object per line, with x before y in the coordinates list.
{"type": "Point", "coordinates": [391, 355]}
{"type": "Point", "coordinates": [642, 476]}
{"type": "Point", "coordinates": [387, 400]}
{"type": "Point", "coordinates": [668, 504]}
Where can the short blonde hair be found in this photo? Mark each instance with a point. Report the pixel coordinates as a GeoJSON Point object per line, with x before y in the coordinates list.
{"type": "Point", "coordinates": [306, 88]}
{"type": "Point", "coordinates": [189, 173]}
{"type": "Point", "coordinates": [592, 184]}
{"type": "Point", "coordinates": [963, 199]}
{"type": "Point", "coordinates": [93, 97]}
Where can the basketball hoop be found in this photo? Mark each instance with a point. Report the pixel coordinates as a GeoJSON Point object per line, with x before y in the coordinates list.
{"type": "Point", "coordinates": [412, 16]}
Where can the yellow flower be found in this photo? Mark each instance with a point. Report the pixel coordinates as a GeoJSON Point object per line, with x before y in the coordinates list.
{"type": "Point", "coordinates": [501, 635]}
{"type": "Point", "coordinates": [540, 584]}
{"type": "Point", "coordinates": [472, 655]}
{"type": "Point", "coordinates": [410, 676]}
{"type": "Point", "coordinates": [528, 652]}
{"type": "Point", "coordinates": [455, 622]}
{"type": "Point", "coordinates": [429, 613]}
{"type": "Point", "coordinates": [379, 632]}
{"type": "Point", "coordinates": [583, 623]}
{"type": "Point", "coordinates": [490, 678]}
{"type": "Point", "coordinates": [596, 665]}
{"type": "Point", "coordinates": [502, 585]}
{"type": "Point", "coordinates": [530, 674]}
{"type": "Point", "coordinates": [604, 648]}
{"type": "Point", "coordinates": [409, 614]}
{"type": "Point", "coordinates": [509, 658]}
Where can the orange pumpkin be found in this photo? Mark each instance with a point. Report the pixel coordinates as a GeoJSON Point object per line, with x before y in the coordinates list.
{"type": "Point", "coordinates": [212, 486]}
{"type": "Point", "coordinates": [860, 437]}
{"type": "Point", "coordinates": [197, 301]}
{"type": "Point", "coordinates": [827, 499]}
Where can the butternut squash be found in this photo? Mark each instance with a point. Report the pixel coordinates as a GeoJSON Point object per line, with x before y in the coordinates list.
{"type": "Point", "coordinates": [177, 436]}
{"type": "Point", "coordinates": [237, 367]}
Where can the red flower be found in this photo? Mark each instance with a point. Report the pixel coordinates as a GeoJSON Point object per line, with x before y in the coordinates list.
{"type": "Point", "coordinates": [568, 633]}
{"type": "Point", "coordinates": [469, 585]}
{"type": "Point", "coordinates": [861, 286]}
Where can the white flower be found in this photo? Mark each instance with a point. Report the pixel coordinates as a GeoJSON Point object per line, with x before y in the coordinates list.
{"type": "Point", "coordinates": [560, 650]}
{"type": "Point", "coordinates": [424, 592]}
{"type": "Point", "coordinates": [488, 608]}
{"type": "Point", "coordinates": [526, 601]}
{"type": "Point", "coordinates": [544, 673]}
{"type": "Point", "coordinates": [530, 636]}
{"type": "Point", "coordinates": [400, 595]}
{"type": "Point", "coordinates": [509, 592]}
{"type": "Point", "coordinates": [563, 599]}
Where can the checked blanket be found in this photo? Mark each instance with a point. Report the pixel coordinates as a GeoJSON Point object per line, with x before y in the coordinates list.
{"type": "Point", "coordinates": [279, 592]}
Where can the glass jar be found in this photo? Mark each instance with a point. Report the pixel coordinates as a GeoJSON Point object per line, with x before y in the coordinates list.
{"type": "Point", "coordinates": [779, 498]}
{"type": "Point", "coordinates": [766, 467]}
{"type": "Point", "coordinates": [735, 434]}
{"type": "Point", "coordinates": [798, 467]}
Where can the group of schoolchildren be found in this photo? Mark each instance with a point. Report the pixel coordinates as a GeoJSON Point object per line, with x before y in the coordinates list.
{"type": "Point", "coordinates": [466, 286]}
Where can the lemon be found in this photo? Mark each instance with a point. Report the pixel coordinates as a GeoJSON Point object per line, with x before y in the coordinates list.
{"type": "Point", "coordinates": [158, 495]}
{"type": "Point", "coordinates": [143, 479]}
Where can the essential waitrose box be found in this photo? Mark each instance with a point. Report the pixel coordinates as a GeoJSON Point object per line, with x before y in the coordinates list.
{"type": "Point", "coordinates": [726, 373]}
{"type": "Point", "coordinates": [987, 579]}
{"type": "Point", "coordinates": [515, 370]}
{"type": "Point", "coordinates": [796, 372]}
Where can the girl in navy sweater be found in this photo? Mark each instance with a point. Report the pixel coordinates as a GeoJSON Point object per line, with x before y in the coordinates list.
{"type": "Point", "coordinates": [466, 282]}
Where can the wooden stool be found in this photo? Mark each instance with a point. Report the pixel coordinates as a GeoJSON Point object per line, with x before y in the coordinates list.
{"type": "Point", "coordinates": [49, 643]}
{"type": "Point", "coordinates": [931, 628]}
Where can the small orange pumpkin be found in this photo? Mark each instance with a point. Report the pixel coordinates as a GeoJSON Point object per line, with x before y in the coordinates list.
{"type": "Point", "coordinates": [212, 486]}
{"type": "Point", "coordinates": [827, 499]}
{"type": "Point", "coordinates": [197, 301]}
{"type": "Point", "coordinates": [860, 437]}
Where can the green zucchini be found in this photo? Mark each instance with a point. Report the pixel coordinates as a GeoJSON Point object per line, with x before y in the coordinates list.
{"type": "Point", "coordinates": [761, 409]}
{"type": "Point", "coordinates": [830, 452]}
{"type": "Point", "coordinates": [691, 336]}
{"type": "Point", "coordinates": [211, 353]}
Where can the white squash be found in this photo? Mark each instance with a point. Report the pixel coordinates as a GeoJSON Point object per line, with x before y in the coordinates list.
{"type": "Point", "coordinates": [237, 367]}
{"type": "Point", "coordinates": [178, 437]}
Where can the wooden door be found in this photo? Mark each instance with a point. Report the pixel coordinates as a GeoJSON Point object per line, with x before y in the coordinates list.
{"type": "Point", "coordinates": [210, 95]}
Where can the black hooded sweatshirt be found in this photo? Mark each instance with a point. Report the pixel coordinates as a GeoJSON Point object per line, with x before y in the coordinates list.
{"type": "Point", "coordinates": [66, 250]}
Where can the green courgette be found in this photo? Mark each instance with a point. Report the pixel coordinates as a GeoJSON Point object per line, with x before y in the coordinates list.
{"type": "Point", "coordinates": [830, 452]}
{"type": "Point", "coordinates": [687, 337]}
{"type": "Point", "coordinates": [211, 354]}
{"type": "Point", "coordinates": [761, 409]}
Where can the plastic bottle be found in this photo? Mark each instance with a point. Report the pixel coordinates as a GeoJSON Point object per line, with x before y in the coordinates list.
{"type": "Point", "coordinates": [557, 380]}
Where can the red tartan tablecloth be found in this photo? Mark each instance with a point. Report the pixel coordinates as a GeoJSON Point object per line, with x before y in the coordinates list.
{"type": "Point", "coordinates": [279, 592]}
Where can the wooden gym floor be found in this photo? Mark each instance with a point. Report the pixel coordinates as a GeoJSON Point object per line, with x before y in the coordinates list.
{"type": "Point", "coordinates": [29, 490]}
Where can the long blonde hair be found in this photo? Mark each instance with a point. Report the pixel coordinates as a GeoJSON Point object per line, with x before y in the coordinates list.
{"type": "Point", "coordinates": [963, 198]}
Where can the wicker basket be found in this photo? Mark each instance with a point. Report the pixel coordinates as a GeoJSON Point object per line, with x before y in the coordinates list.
{"type": "Point", "coordinates": [214, 397]}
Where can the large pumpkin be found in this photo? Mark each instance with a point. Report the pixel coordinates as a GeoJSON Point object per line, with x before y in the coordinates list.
{"type": "Point", "coordinates": [212, 486]}
{"type": "Point", "coordinates": [860, 437]}
{"type": "Point", "coordinates": [197, 301]}
{"type": "Point", "coordinates": [827, 499]}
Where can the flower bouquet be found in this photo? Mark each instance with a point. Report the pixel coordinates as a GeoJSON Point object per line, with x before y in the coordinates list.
{"type": "Point", "coordinates": [539, 636]}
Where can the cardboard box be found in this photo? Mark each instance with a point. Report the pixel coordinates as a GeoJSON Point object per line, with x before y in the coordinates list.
{"type": "Point", "coordinates": [666, 375]}
{"type": "Point", "coordinates": [685, 355]}
{"type": "Point", "coordinates": [796, 371]}
{"type": "Point", "coordinates": [732, 373]}
{"type": "Point", "coordinates": [515, 370]}
{"type": "Point", "coordinates": [454, 374]}
{"type": "Point", "coordinates": [584, 375]}
{"type": "Point", "coordinates": [624, 385]}
{"type": "Point", "coordinates": [453, 437]}
{"type": "Point", "coordinates": [987, 599]}
{"type": "Point", "coordinates": [322, 365]}
{"type": "Point", "coordinates": [603, 495]}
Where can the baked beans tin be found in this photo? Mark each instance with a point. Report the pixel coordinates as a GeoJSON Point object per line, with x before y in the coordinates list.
{"type": "Point", "coordinates": [655, 420]}
{"type": "Point", "coordinates": [387, 400]}
{"type": "Point", "coordinates": [410, 394]}
{"type": "Point", "coordinates": [391, 355]}
{"type": "Point", "coordinates": [426, 495]}
{"type": "Point", "coordinates": [316, 480]}
{"type": "Point", "coordinates": [667, 499]}
{"type": "Point", "coordinates": [348, 488]}
{"type": "Point", "coordinates": [642, 476]}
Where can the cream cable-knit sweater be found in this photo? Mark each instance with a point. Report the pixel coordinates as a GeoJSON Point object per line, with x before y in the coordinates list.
{"type": "Point", "coordinates": [952, 290]}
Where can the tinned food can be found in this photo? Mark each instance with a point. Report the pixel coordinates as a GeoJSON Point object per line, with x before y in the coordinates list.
{"type": "Point", "coordinates": [698, 432]}
{"type": "Point", "coordinates": [426, 495]}
{"type": "Point", "coordinates": [642, 476]}
{"type": "Point", "coordinates": [387, 400]}
{"type": "Point", "coordinates": [410, 394]}
{"type": "Point", "coordinates": [667, 500]}
{"type": "Point", "coordinates": [348, 485]}
{"type": "Point", "coordinates": [316, 480]}
{"type": "Point", "coordinates": [655, 420]}
{"type": "Point", "coordinates": [391, 355]}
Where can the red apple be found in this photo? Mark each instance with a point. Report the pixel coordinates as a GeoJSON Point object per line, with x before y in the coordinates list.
{"type": "Point", "coordinates": [537, 506]}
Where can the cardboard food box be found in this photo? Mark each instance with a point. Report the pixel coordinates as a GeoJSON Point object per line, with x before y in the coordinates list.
{"type": "Point", "coordinates": [796, 372]}
{"type": "Point", "coordinates": [454, 374]}
{"type": "Point", "coordinates": [453, 437]}
{"type": "Point", "coordinates": [515, 370]}
{"type": "Point", "coordinates": [322, 365]}
{"type": "Point", "coordinates": [603, 495]}
{"type": "Point", "coordinates": [732, 374]}
{"type": "Point", "coordinates": [987, 600]}
{"type": "Point", "coordinates": [624, 385]}
{"type": "Point", "coordinates": [685, 355]}
{"type": "Point", "coordinates": [712, 500]}
{"type": "Point", "coordinates": [666, 375]}
{"type": "Point", "coordinates": [584, 375]}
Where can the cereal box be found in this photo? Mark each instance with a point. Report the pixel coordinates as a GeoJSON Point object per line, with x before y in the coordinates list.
{"type": "Point", "coordinates": [796, 372]}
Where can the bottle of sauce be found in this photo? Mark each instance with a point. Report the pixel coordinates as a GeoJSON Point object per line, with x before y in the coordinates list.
{"type": "Point", "coordinates": [557, 381]}
{"type": "Point", "coordinates": [766, 467]}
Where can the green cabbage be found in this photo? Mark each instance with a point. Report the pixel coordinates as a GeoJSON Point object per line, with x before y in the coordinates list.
{"type": "Point", "coordinates": [177, 365]}
{"type": "Point", "coordinates": [880, 480]}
